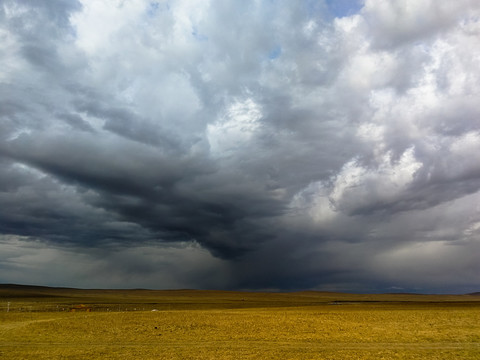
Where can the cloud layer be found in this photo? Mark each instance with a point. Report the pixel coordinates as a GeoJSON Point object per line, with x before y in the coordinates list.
{"type": "Point", "coordinates": [258, 144]}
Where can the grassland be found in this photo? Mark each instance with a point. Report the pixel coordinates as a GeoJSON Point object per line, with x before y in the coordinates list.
{"type": "Point", "coordinates": [189, 324]}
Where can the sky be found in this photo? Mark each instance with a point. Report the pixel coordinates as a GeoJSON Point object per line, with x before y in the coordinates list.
{"type": "Point", "coordinates": [254, 145]}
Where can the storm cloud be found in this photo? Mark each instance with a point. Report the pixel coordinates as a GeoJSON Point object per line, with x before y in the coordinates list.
{"type": "Point", "coordinates": [241, 145]}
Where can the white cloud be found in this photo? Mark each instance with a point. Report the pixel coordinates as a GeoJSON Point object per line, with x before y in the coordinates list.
{"type": "Point", "coordinates": [102, 21]}
{"type": "Point", "coordinates": [357, 188]}
{"type": "Point", "coordinates": [235, 129]}
{"type": "Point", "coordinates": [395, 22]}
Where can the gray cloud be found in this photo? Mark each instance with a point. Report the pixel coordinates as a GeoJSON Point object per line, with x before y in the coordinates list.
{"type": "Point", "coordinates": [76, 121]}
{"type": "Point", "coordinates": [240, 145]}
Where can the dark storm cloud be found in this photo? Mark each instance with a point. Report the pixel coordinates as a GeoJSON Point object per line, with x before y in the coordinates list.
{"type": "Point", "coordinates": [126, 123]}
{"type": "Point", "coordinates": [171, 198]}
{"type": "Point", "coordinates": [240, 145]}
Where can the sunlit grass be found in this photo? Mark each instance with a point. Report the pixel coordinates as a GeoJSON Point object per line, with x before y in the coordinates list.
{"type": "Point", "coordinates": [221, 325]}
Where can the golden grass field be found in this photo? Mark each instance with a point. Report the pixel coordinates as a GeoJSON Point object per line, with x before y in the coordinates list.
{"type": "Point", "coordinates": [190, 324]}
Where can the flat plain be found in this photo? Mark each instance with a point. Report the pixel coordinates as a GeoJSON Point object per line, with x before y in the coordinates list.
{"type": "Point", "coordinates": [57, 323]}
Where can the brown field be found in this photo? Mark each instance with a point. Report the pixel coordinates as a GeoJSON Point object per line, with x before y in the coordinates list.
{"type": "Point", "coordinates": [189, 324]}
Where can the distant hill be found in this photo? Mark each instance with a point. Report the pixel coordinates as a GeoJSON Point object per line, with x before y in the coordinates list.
{"type": "Point", "coordinates": [28, 287]}
{"type": "Point", "coordinates": [32, 291]}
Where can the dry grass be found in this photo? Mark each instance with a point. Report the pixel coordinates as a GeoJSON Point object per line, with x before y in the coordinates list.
{"type": "Point", "coordinates": [222, 325]}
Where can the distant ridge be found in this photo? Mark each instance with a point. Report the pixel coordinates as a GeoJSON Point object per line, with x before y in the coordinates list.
{"type": "Point", "coordinates": [404, 293]}
{"type": "Point", "coordinates": [48, 288]}
{"type": "Point", "coordinates": [31, 287]}
{"type": "Point", "coordinates": [40, 288]}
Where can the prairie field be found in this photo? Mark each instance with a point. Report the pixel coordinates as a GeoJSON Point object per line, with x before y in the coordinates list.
{"type": "Point", "coordinates": [53, 323]}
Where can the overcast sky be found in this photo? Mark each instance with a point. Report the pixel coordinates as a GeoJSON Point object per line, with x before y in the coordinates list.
{"type": "Point", "coordinates": [267, 144]}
